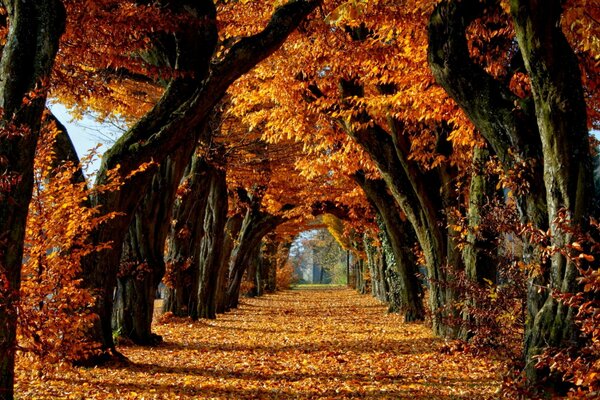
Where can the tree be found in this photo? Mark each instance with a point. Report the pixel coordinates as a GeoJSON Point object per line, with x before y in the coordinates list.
{"type": "Point", "coordinates": [399, 235]}
{"type": "Point", "coordinates": [31, 43]}
{"type": "Point", "coordinates": [408, 139]}
{"type": "Point", "coordinates": [547, 125]}
{"type": "Point", "coordinates": [200, 79]}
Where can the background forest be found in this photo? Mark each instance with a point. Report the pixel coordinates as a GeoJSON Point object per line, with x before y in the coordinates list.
{"type": "Point", "coordinates": [445, 145]}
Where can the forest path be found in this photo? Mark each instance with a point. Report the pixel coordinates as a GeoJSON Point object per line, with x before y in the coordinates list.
{"type": "Point", "coordinates": [296, 344]}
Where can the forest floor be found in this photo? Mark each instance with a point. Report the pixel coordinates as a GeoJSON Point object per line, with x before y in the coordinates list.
{"type": "Point", "coordinates": [296, 344]}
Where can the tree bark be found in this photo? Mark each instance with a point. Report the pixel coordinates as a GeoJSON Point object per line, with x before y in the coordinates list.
{"type": "Point", "coordinates": [142, 260]}
{"type": "Point", "coordinates": [506, 121]}
{"type": "Point", "coordinates": [184, 240]}
{"type": "Point", "coordinates": [215, 218]}
{"type": "Point", "coordinates": [252, 275]}
{"type": "Point", "coordinates": [479, 253]}
{"type": "Point", "coordinates": [397, 231]}
{"type": "Point", "coordinates": [269, 261]}
{"type": "Point", "coordinates": [232, 230]}
{"type": "Point", "coordinates": [184, 107]}
{"type": "Point", "coordinates": [26, 61]}
{"type": "Point", "coordinates": [560, 112]}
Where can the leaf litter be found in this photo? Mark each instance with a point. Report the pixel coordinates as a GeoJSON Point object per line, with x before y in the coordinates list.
{"type": "Point", "coordinates": [296, 344]}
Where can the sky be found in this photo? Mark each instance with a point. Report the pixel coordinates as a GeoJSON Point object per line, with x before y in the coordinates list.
{"type": "Point", "coordinates": [86, 134]}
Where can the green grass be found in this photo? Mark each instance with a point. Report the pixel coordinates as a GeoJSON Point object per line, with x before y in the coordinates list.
{"type": "Point", "coordinates": [313, 286]}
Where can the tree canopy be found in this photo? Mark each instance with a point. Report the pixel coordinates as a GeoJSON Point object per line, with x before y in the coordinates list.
{"type": "Point", "coordinates": [447, 145]}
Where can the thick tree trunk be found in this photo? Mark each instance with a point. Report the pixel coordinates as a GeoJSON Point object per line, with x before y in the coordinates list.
{"type": "Point", "coordinates": [568, 168]}
{"type": "Point", "coordinates": [134, 304]}
{"type": "Point", "coordinates": [213, 240]}
{"type": "Point", "coordinates": [252, 276]}
{"type": "Point", "coordinates": [184, 240]}
{"type": "Point", "coordinates": [232, 231]}
{"type": "Point", "coordinates": [480, 250]}
{"type": "Point", "coordinates": [187, 102]}
{"type": "Point", "coordinates": [479, 253]}
{"type": "Point", "coordinates": [400, 242]}
{"type": "Point", "coordinates": [142, 261]}
{"type": "Point", "coordinates": [26, 60]}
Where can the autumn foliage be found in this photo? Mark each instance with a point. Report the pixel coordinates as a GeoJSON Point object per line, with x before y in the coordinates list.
{"type": "Point", "coordinates": [365, 117]}
{"type": "Point", "coordinates": [55, 310]}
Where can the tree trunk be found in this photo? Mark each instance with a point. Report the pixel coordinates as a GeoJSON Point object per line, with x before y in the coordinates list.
{"type": "Point", "coordinates": [232, 230]}
{"type": "Point", "coordinates": [377, 271]}
{"type": "Point", "coordinates": [400, 241]}
{"type": "Point", "coordinates": [184, 240]}
{"type": "Point", "coordinates": [26, 61]}
{"type": "Point", "coordinates": [253, 273]}
{"type": "Point", "coordinates": [361, 283]}
{"type": "Point", "coordinates": [211, 251]}
{"type": "Point", "coordinates": [142, 261]}
{"type": "Point", "coordinates": [269, 261]}
{"type": "Point", "coordinates": [188, 100]}
{"type": "Point", "coordinates": [568, 168]}
{"type": "Point", "coordinates": [479, 252]}
{"type": "Point", "coordinates": [255, 226]}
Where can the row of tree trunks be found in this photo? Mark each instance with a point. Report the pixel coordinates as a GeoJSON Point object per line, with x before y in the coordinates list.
{"type": "Point", "coordinates": [255, 225]}
{"type": "Point", "coordinates": [189, 99]}
{"type": "Point", "coordinates": [27, 56]}
{"type": "Point", "coordinates": [398, 234]}
{"type": "Point", "coordinates": [424, 205]}
{"type": "Point", "coordinates": [549, 127]}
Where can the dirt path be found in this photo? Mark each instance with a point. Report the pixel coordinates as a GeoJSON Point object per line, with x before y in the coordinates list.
{"type": "Point", "coordinates": [300, 344]}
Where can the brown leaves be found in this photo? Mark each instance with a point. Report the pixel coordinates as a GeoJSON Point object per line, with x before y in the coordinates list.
{"type": "Point", "coordinates": [296, 344]}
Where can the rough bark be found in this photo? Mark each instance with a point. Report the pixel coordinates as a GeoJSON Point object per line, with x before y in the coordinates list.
{"type": "Point", "coordinates": [252, 276]}
{"type": "Point", "coordinates": [26, 60]}
{"type": "Point", "coordinates": [479, 252]}
{"type": "Point", "coordinates": [183, 108]}
{"type": "Point", "coordinates": [560, 112]}
{"type": "Point", "coordinates": [215, 218]}
{"type": "Point", "coordinates": [142, 260]}
{"type": "Point", "coordinates": [549, 128]}
{"type": "Point", "coordinates": [398, 233]}
{"type": "Point", "coordinates": [184, 240]}
{"type": "Point", "coordinates": [232, 230]}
